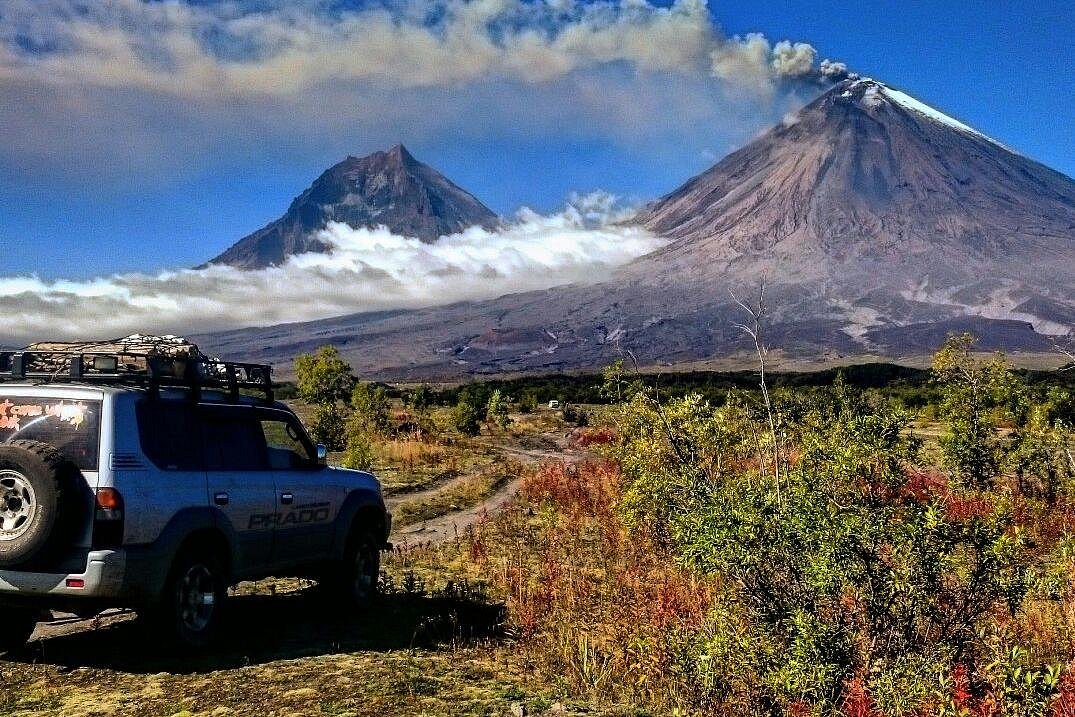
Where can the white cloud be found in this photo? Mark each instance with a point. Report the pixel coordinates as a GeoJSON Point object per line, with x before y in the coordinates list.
{"type": "Point", "coordinates": [368, 270]}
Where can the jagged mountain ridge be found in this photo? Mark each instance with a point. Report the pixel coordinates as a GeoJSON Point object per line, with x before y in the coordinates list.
{"type": "Point", "coordinates": [389, 188]}
{"type": "Point", "coordinates": [876, 223]}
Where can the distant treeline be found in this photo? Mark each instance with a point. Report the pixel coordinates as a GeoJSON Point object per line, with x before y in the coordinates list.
{"type": "Point", "coordinates": [910, 386]}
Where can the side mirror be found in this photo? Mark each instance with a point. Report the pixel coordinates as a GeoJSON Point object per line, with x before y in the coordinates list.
{"type": "Point", "coordinates": [322, 454]}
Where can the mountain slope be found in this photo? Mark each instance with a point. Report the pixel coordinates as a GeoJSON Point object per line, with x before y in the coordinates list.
{"type": "Point", "coordinates": [388, 188]}
{"type": "Point", "coordinates": [876, 224]}
{"type": "Point", "coordinates": [867, 175]}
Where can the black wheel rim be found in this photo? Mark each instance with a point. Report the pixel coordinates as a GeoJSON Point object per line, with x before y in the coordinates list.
{"type": "Point", "coordinates": [196, 595]}
{"type": "Point", "coordinates": [365, 572]}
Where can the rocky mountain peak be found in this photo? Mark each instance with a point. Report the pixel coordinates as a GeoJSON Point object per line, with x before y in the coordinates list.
{"type": "Point", "coordinates": [387, 188]}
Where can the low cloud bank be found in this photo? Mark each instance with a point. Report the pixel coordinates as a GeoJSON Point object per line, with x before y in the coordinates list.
{"type": "Point", "coordinates": [368, 270]}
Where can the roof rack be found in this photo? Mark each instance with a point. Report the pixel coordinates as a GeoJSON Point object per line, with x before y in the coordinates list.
{"type": "Point", "coordinates": [145, 370]}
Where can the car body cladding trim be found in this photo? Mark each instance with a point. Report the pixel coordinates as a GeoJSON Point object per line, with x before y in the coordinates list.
{"type": "Point", "coordinates": [148, 564]}
{"type": "Point", "coordinates": [357, 500]}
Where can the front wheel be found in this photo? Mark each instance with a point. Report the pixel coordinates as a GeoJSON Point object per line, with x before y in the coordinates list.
{"type": "Point", "coordinates": [353, 581]}
{"type": "Point", "coordinates": [190, 607]}
{"type": "Point", "coordinates": [16, 626]}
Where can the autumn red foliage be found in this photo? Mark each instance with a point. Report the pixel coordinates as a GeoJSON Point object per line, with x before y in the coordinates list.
{"type": "Point", "coordinates": [588, 437]}
{"type": "Point", "coordinates": [857, 702]}
{"type": "Point", "coordinates": [1064, 703]}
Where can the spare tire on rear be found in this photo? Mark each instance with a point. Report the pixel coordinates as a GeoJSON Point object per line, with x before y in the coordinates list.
{"type": "Point", "coordinates": [38, 502]}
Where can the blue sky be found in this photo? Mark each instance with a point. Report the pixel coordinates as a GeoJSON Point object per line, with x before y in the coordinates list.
{"type": "Point", "coordinates": [154, 136]}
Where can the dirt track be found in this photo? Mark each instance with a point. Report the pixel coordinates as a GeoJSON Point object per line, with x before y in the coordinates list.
{"type": "Point", "coordinates": [451, 525]}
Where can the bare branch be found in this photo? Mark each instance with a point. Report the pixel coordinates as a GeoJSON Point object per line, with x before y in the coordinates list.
{"type": "Point", "coordinates": [669, 433]}
{"type": "Point", "coordinates": [755, 331]}
{"type": "Point", "coordinates": [1067, 351]}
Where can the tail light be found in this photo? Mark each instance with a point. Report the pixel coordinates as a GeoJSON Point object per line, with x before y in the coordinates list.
{"type": "Point", "coordinates": [109, 504]}
{"type": "Point", "coordinates": [108, 519]}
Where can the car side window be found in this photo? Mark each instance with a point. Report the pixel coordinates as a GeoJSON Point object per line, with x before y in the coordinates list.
{"type": "Point", "coordinates": [170, 435]}
{"type": "Point", "coordinates": [234, 441]}
{"type": "Point", "coordinates": [286, 447]}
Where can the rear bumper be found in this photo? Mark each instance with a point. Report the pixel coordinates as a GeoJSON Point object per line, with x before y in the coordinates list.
{"type": "Point", "coordinates": [103, 577]}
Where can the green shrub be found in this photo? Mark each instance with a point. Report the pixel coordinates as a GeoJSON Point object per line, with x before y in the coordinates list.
{"type": "Point", "coordinates": [842, 565]}
{"type": "Point", "coordinates": [359, 453]}
{"type": "Point", "coordinates": [369, 406]}
{"type": "Point", "coordinates": [973, 392]}
{"type": "Point", "coordinates": [328, 427]}
{"type": "Point", "coordinates": [1039, 457]}
{"type": "Point", "coordinates": [466, 416]}
{"type": "Point", "coordinates": [496, 410]}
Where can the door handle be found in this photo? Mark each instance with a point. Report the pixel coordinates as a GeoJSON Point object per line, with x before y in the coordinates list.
{"type": "Point", "coordinates": [221, 499]}
{"type": "Point", "coordinates": [287, 498]}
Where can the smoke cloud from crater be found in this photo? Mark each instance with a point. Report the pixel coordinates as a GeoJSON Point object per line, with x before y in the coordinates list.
{"type": "Point", "coordinates": [129, 91]}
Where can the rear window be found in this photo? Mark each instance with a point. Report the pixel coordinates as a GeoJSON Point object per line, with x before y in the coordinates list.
{"type": "Point", "coordinates": [234, 441]}
{"type": "Point", "coordinates": [72, 427]}
{"type": "Point", "coordinates": [170, 434]}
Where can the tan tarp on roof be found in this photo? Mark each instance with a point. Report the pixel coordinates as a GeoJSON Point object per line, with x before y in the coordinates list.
{"type": "Point", "coordinates": [174, 346]}
{"type": "Point", "coordinates": [55, 356]}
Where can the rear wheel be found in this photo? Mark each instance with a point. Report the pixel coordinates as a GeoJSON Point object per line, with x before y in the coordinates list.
{"type": "Point", "coordinates": [353, 580]}
{"type": "Point", "coordinates": [16, 626]}
{"type": "Point", "coordinates": [189, 611]}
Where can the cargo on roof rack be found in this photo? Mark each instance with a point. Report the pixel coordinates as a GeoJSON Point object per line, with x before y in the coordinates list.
{"type": "Point", "coordinates": [148, 362]}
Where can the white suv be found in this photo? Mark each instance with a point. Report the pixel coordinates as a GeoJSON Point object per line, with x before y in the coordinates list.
{"type": "Point", "coordinates": [156, 484]}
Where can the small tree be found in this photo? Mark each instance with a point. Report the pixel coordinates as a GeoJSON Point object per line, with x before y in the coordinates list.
{"type": "Point", "coordinates": [369, 406]}
{"type": "Point", "coordinates": [328, 427]}
{"type": "Point", "coordinates": [466, 416]}
{"type": "Point", "coordinates": [528, 402]}
{"type": "Point", "coordinates": [1039, 457]}
{"type": "Point", "coordinates": [574, 414]}
{"type": "Point", "coordinates": [323, 377]}
{"type": "Point", "coordinates": [496, 410]}
{"type": "Point", "coordinates": [419, 399]}
{"type": "Point", "coordinates": [972, 389]}
{"type": "Point", "coordinates": [324, 380]}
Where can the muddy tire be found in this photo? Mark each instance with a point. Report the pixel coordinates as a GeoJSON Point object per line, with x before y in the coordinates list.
{"type": "Point", "coordinates": [190, 610]}
{"type": "Point", "coordinates": [16, 626]}
{"type": "Point", "coordinates": [352, 582]}
{"type": "Point", "coordinates": [38, 502]}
